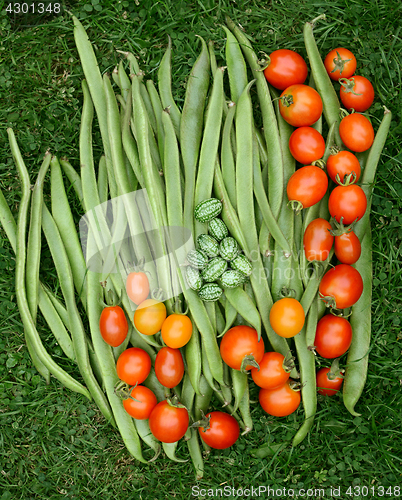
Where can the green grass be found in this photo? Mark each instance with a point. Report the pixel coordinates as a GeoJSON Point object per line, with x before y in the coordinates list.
{"type": "Point", "coordinates": [54, 443]}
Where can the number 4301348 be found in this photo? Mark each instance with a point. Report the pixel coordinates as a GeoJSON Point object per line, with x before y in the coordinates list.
{"type": "Point", "coordinates": [374, 491]}
{"type": "Point", "coordinates": [33, 8]}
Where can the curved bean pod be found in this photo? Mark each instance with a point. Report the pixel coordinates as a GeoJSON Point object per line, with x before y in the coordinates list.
{"type": "Point", "coordinates": [146, 435]}
{"type": "Point", "coordinates": [34, 240]}
{"type": "Point", "coordinates": [237, 70]}
{"type": "Point", "coordinates": [360, 321]}
{"type": "Point", "coordinates": [244, 305]}
{"type": "Point", "coordinates": [95, 86]}
{"type": "Point", "coordinates": [165, 87]}
{"type": "Point", "coordinates": [35, 342]}
{"type": "Point", "coordinates": [202, 401]}
{"type": "Point", "coordinates": [195, 454]}
{"type": "Point", "coordinates": [330, 101]}
{"type": "Point", "coordinates": [74, 178]}
{"type": "Point", "coordinates": [191, 127]}
{"type": "Point", "coordinates": [275, 161]}
{"type": "Point", "coordinates": [65, 223]}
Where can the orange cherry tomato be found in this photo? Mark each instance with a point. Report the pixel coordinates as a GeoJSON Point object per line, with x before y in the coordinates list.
{"type": "Point", "coordinates": [343, 163]}
{"type": "Point", "coordinates": [169, 367]}
{"type": "Point", "coordinates": [326, 386]}
{"type": "Point", "coordinates": [238, 342]}
{"type": "Point", "coordinates": [149, 316]}
{"type": "Point", "coordinates": [176, 330]}
{"type": "Point", "coordinates": [333, 336]}
{"type": "Point", "coordinates": [271, 373]}
{"type": "Point", "coordinates": [348, 248]}
{"type": "Point", "coordinates": [340, 63]}
{"type": "Point", "coordinates": [356, 132]}
{"type": "Point", "coordinates": [287, 317]}
{"type": "Point", "coordinates": [300, 105]}
{"type": "Point", "coordinates": [144, 404]}
{"type": "Point", "coordinates": [133, 365]}
{"type": "Point", "coordinates": [113, 325]}
{"type": "Point", "coordinates": [281, 401]}
{"type": "Point", "coordinates": [317, 240]}
{"type": "Point", "coordinates": [307, 185]}
{"type": "Point", "coordinates": [306, 145]}
{"type": "Point", "coordinates": [357, 93]}
{"type": "Point", "coordinates": [168, 423]}
{"type": "Point", "coordinates": [285, 68]}
{"type": "Point", "coordinates": [137, 287]}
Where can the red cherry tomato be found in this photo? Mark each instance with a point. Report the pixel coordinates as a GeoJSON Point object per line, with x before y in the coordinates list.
{"type": "Point", "coordinates": [168, 423]}
{"type": "Point", "coordinates": [300, 105]}
{"type": "Point", "coordinates": [137, 287]}
{"type": "Point", "coordinates": [149, 316]}
{"type": "Point", "coordinates": [223, 430]}
{"type": "Point", "coordinates": [133, 366]}
{"type": "Point", "coordinates": [357, 93]}
{"type": "Point", "coordinates": [348, 248]}
{"type": "Point", "coordinates": [238, 342]}
{"type": "Point", "coordinates": [348, 202]}
{"type": "Point", "coordinates": [281, 401]}
{"type": "Point", "coordinates": [169, 367]}
{"type": "Point", "coordinates": [340, 63]}
{"type": "Point", "coordinates": [287, 317]}
{"type": "Point", "coordinates": [326, 386]}
{"type": "Point", "coordinates": [271, 373]}
{"type": "Point", "coordinates": [333, 336]}
{"type": "Point", "coordinates": [306, 145]}
{"type": "Point", "coordinates": [317, 240]}
{"type": "Point", "coordinates": [356, 132]}
{"type": "Point", "coordinates": [145, 402]}
{"type": "Point", "coordinates": [307, 185]}
{"type": "Point", "coordinates": [176, 330]}
{"type": "Point", "coordinates": [285, 68]}
{"type": "Point", "coordinates": [344, 283]}
{"type": "Point", "coordinates": [113, 325]}
{"type": "Point", "coordinates": [343, 163]}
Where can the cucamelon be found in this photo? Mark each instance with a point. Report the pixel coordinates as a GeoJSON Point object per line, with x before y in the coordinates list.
{"type": "Point", "coordinates": [210, 292]}
{"type": "Point", "coordinates": [228, 248]}
{"type": "Point", "coordinates": [208, 245]}
{"type": "Point", "coordinates": [197, 259]}
{"type": "Point", "coordinates": [232, 278]}
{"type": "Point", "coordinates": [193, 278]}
{"type": "Point", "coordinates": [242, 264]}
{"type": "Point", "coordinates": [208, 209]}
{"type": "Point", "coordinates": [214, 269]}
{"type": "Point", "coordinates": [217, 228]}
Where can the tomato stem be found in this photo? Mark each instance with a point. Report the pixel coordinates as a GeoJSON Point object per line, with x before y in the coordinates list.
{"type": "Point", "coordinates": [335, 371]}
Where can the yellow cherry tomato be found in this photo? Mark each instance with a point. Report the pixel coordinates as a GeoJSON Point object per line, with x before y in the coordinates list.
{"type": "Point", "coordinates": [149, 316]}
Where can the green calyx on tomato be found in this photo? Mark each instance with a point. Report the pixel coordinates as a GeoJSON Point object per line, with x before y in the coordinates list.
{"type": "Point", "coordinates": [338, 228]}
{"type": "Point", "coordinates": [348, 85]}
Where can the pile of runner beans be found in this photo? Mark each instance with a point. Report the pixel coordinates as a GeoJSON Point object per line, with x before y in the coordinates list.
{"type": "Point", "coordinates": [260, 304]}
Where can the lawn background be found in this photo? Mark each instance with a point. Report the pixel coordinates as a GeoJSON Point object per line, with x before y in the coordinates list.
{"type": "Point", "coordinates": [54, 443]}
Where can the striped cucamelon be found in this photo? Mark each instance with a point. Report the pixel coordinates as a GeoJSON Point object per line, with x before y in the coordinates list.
{"type": "Point", "coordinates": [214, 269]}
{"type": "Point", "coordinates": [208, 209]}
{"type": "Point", "coordinates": [232, 278]}
{"type": "Point", "coordinates": [228, 248]}
{"type": "Point", "coordinates": [197, 259]}
{"type": "Point", "coordinates": [193, 278]}
{"type": "Point", "coordinates": [210, 292]}
{"type": "Point", "coordinates": [242, 264]}
{"type": "Point", "coordinates": [217, 228]}
{"type": "Point", "coordinates": [208, 245]}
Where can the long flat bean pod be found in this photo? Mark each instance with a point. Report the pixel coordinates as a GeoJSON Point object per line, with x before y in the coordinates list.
{"type": "Point", "coordinates": [64, 273]}
{"type": "Point", "coordinates": [244, 305]}
{"type": "Point", "coordinates": [103, 188]}
{"type": "Point", "coordinates": [34, 240]}
{"type": "Point", "coordinates": [367, 181]}
{"type": "Point", "coordinates": [146, 435]}
{"type": "Point", "coordinates": [271, 133]}
{"type": "Point", "coordinates": [331, 106]}
{"type": "Point", "coordinates": [209, 146]}
{"type": "Point", "coordinates": [65, 223]}
{"type": "Point", "coordinates": [237, 70]}
{"type": "Point", "coordinates": [195, 454]}
{"type": "Point", "coordinates": [360, 321]}
{"type": "Point", "coordinates": [227, 157]}
{"type": "Point", "coordinates": [95, 86]}
{"type": "Point", "coordinates": [191, 127]}
{"type": "Point", "coordinates": [165, 87]}
{"type": "Point", "coordinates": [29, 326]}
{"type": "Point", "coordinates": [74, 178]}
